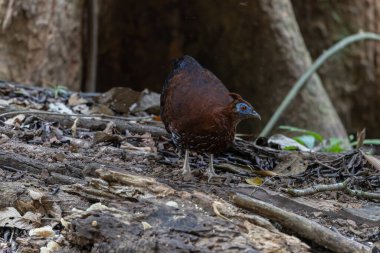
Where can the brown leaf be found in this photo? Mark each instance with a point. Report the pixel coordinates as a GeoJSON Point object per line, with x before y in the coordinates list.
{"type": "Point", "coordinates": [105, 137]}
{"type": "Point", "coordinates": [15, 121]}
{"type": "Point", "coordinates": [360, 136]}
{"type": "Point", "coordinates": [291, 164]}
{"type": "Point", "coordinates": [11, 218]}
{"type": "Point", "coordinates": [75, 99]}
{"type": "Point", "coordinates": [372, 160]}
{"type": "Point", "coordinates": [119, 99]}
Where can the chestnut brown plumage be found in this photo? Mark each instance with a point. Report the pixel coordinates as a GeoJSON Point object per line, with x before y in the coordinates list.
{"type": "Point", "coordinates": [199, 112]}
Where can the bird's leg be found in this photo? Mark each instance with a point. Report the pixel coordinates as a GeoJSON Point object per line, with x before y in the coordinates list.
{"type": "Point", "coordinates": [210, 169]}
{"type": "Point", "coordinates": [186, 166]}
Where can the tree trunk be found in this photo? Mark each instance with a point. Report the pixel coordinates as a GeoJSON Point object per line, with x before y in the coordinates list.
{"type": "Point", "coordinates": [256, 48]}
{"type": "Point", "coordinates": [351, 77]}
{"type": "Point", "coordinates": [312, 108]}
{"type": "Point", "coordinates": [41, 42]}
{"type": "Point", "coordinates": [136, 50]}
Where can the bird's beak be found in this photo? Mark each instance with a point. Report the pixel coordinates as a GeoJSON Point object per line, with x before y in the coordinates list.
{"type": "Point", "coordinates": [254, 114]}
{"type": "Point", "coordinates": [250, 114]}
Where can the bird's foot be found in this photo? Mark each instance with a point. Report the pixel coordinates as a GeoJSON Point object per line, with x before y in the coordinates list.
{"type": "Point", "coordinates": [186, 174]}
{"type": "Point", "coordinates": [211, 173]}
{"type": "Point", "coordinates": [186, 169]}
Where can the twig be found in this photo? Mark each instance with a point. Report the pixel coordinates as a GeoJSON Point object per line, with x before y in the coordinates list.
{"type": "Point", "coordinates": [318, 188]}
{"type": "Point", "coordinates": [302, 80]}
{"type": "Point", "coordinates": [300, 225]}
{"type": "Point", "coordinates": [363, 194]}
{"type": "Point", "coordinates": [332, 187]}
{"type": "Point", "coordinates": [325, 165]}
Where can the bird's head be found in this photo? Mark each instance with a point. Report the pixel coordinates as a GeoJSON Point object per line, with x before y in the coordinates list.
{"type": "Point", "coordinates": [242, 109]}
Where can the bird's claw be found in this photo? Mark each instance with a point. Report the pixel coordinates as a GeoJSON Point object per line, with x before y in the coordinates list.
{"type": "Point", "coordinates": [210, 176]}
{"type": "Point", "coordinates": [186, 171]}
{"type": "Point", "coordinates": [211, 173]}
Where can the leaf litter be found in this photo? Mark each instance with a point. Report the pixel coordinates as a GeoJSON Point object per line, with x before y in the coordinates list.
{"type": "Point", "coordinates": [55, 166]}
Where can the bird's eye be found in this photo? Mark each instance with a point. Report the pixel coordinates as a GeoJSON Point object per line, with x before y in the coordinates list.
{"type": "Point", "coordinates": [242, 107]}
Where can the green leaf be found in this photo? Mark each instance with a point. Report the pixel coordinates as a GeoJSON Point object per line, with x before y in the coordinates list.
{"type": "Point", "coordinates": [368, 142]}
{"type": "Point", "coordinates": [59, 89]}
{"type": "Point", "coordinates": [291, 148]}
{"type": "Point", "coordinates": [316, 135]}
{"type": "Point", "coordinates": [306, 140]}
{"type": "Point", "coordinates": [334, 146]}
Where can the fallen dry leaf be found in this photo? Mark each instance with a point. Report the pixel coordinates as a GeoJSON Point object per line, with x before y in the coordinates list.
{"type": "Point", "coordinates": [75, 99]}
{"type": "Point", "coordinates": [15, 121]}
{"type": "Point", "coordinates": [373, 161]}
{"type": "Point", "coordinates": [256, 181]}
{"type": "Point", "coordinates": [291, 164]}
{"type": "Point", "coordinates": [11, 218]}
{"type": "Point", "coordinates": [44, 232]}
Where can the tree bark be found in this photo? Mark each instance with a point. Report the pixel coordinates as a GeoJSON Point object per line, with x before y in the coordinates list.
{"type": "Point", "coordinates": [41, 42]}
{"type": "Point", "coordinates": [351, 77]}
{"type": "Point", "coordinates": [312, 108]}
{"type": "Point", "coordinates": [256, 48]}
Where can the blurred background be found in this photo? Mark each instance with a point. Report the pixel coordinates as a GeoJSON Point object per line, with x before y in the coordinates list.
{"type": "Point", "coordinates": [258, 48]}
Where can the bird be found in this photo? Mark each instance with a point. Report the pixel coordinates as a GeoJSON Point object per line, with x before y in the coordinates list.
{"type": "Point", "coordinates": [199, 112]}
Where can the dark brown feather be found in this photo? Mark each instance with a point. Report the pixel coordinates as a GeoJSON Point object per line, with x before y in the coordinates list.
{"type": "Point", "coordinates": [197, 109]}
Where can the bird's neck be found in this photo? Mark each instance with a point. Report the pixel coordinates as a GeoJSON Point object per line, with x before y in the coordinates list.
{"type": "Point", "coordinates": [227, 117]}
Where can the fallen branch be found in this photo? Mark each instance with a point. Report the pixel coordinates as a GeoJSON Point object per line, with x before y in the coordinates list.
{"type": "Point", "coordinates": [363, 194]}
{"type": "Point", "coordinates": [318, 188]}
{"type": "Point", "coordinates": [94, 122]}
{"type": "Point", "coordinates": [343, 186]}
{"type": "Point", "coordinates": [300, 225]}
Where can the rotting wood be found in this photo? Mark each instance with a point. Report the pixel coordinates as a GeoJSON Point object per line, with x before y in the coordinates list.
{"type": "Point", "coordinates": [192, 220]}
{"type": "Point", "coordinates": [300, 225]}
{"type": "Point", "coordinates": [95, 122]}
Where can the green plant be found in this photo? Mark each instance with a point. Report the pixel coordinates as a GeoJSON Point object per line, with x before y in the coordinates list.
{"type": "Point", "coordinates": [59, 89]}
{"type": "Point", "coordinates": [316, 141]}
{"type": "Point", "coordinates": [310, 71]}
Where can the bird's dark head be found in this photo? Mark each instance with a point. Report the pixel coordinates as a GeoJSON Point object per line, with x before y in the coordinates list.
{"type": "Point", "coordinates": [242, 109]}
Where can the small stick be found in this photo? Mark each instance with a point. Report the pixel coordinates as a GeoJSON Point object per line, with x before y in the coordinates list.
{"type": "Point", "coordinates": [318, 188]}
{"type": "Point", "coordinates": [363, 194]}
{"type": "Point", "coordinates": [332, 187]}
{"type": "Point", "coordinates": [325, 165]}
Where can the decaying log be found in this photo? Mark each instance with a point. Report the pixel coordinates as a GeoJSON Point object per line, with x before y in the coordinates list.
{"type": "Point", "coordinates": [144, 215]}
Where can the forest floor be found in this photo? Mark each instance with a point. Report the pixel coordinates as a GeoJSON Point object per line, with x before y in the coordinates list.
{"type": "Point", "coordinates": [75, 180]}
